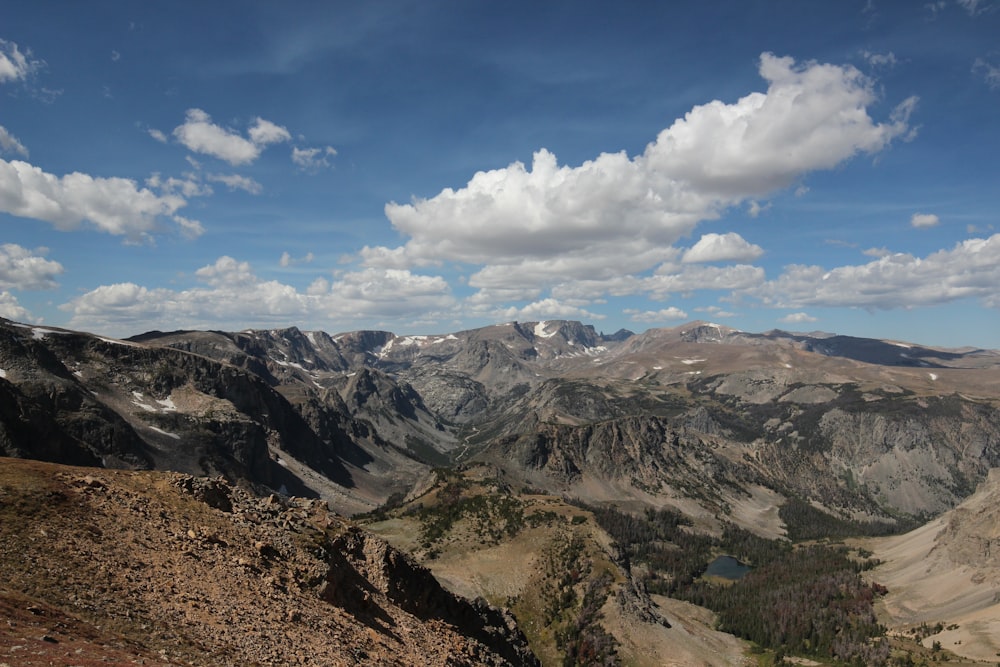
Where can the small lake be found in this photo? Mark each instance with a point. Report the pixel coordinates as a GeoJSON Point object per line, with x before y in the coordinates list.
{"type": "Point", "coordinates": [727, 567]}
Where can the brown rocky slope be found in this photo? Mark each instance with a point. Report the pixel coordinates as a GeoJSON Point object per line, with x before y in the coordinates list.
{"type": "Point", "coordinates": [141, 567]}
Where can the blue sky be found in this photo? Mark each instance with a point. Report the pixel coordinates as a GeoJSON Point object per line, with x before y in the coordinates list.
{"type": "Point", "coordinates": [431, 166]}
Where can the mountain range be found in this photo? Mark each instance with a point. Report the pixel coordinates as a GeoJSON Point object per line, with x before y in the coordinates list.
{"type": "Point", "coordinates": [773, 432]}
{"type": "Point", "coordinates": [699, 413]}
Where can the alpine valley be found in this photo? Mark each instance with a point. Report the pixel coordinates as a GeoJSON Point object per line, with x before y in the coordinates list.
{"type": "Point", "coordinates": [524, 493]}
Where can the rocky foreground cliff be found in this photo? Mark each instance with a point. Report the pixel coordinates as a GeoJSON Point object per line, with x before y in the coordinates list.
{"type": "Point", "coordinates": [140, 567]}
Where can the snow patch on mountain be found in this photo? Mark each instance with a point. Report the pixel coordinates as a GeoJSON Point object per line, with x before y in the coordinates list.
{"type": "Point", "coordinates": [38, 333]}
{"type": "Point", "coordinates": [113, 341]}
{"type": "Point", "coordinates": [140, 402]}
{"type": "Point", "coordinates": [166, 433]}
{"type": "Point", "coordinates": [542, 333]}
{"type": "Point", "coordinates": [165, 404]}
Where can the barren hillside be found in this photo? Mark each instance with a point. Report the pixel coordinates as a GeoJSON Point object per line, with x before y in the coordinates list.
{"type": "Point", "coordinates": [164, 568]}
{"type": "Point", "coordinates": [946, 572]}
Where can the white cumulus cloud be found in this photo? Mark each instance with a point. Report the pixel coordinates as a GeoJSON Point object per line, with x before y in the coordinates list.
{"type": "Point", "coordinates": [653, 316]}
{"type": "Point", "coordinates": [25, 269]}
{"type": "Point", "coordinates": [16, 65]}
{"type": "Point", "coordinates": [287, 259]}
{"type": "Point", "coordinates": [880, 59]}
{"type": "Point", "coordinates": [716, 311]}
{"type": "Point", "coordinates": [754, 208]}
{"type": "Point", "coordinates": [11, 309]}
{"type": "Point", "coordinates": [670, 279]}
{"type": "Point", "coordinates": [312, 159]}
{"type": "Point", "coordinates": [384, 291]}
{"type": "Point", "coordinates": [545, 309]}
{"type": "Point", "coordinates": [227, 272]}
{"type": "Point", "coordinates": [191, 229]}
{"type": "Point", "coordinates": [233, 296]}
{"type": "Point", "coordinates": [113, 205]}
{"type": "Point", "coordinates": [199, 134]}
{"type": "Point", "coordinates": [876, 252]}
{"type": "Point", "coordinates": [237, 182]}
{"type": "Point", "coordinates": [730, 247]}
{"type": "Point", "coordinates": [388, 258]}
{"type": "Point", "coordinates": [798, 318]}
{"type": "Point", "coordinates": [969, 270]}
{"type": "Point", "coordinates": [615, 216]}
{"type": "Point", "coordinates": [598, 262]}
{"type": "Point", "coordinates": [813, 116]}
{"type": "Point", "coordinates": [10, 144]}
{"type": "Point", "coordinates": [264, 132]}
{"type": "Point", "coordinates": [924, 220]}
{"type": "Point", "coordinates": [189, 186]}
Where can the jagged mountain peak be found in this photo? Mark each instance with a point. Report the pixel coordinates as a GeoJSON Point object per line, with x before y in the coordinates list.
{"type": "Point", "coordinates": [555, 339]}
{"type": "Point", "coordinates": [571, 330]}
{"type": "Point", "coordinates": [362, 341]}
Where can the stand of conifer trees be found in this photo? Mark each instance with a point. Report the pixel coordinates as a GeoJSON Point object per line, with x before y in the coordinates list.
{"type": "Point", "coordinates": [807, 600]}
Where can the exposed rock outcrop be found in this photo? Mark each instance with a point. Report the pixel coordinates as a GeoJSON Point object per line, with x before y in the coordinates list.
{"type": "Point", "coordinates": [189, 570]}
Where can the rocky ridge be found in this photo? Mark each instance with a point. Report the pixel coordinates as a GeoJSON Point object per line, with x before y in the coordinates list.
{"type": "Point", "coordinates": [166, 568]}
